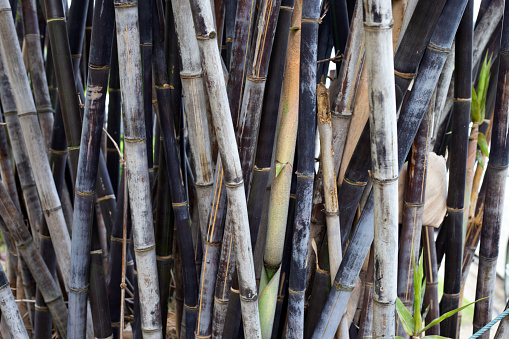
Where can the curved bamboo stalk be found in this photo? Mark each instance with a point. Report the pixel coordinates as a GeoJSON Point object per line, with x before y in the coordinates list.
{"type": "Point", "coordinates": [382, 119]}
{"type": "Point", "coordinates": [126, 15]}
{"type": "Point", "coordinates": [457, 173]}
{"type": "Point", "coordinates": [34, 141]}
{"type": "Point", "coordinates": [216, 88]}
{"type": "Point", "coordinates": [10, 312]}
{"type": "Point", "coordinates": [305, 166]}
{"type": "Point", "coordinates": [84, 197]}
{"type": "Point", "coordinates": [494, 204]}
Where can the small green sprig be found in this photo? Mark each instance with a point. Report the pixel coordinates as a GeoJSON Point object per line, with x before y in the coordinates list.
{"type": "Point", "coordinates": [414, 325]}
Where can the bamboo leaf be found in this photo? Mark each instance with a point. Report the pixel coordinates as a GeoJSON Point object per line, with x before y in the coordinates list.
{"type": "Point", "coordinates": [478, 158]}
{"type": "Point", "coordinates": [406, 318]}
{"type": "Point", "coordinates": [417, 293]}
{"type": "Point", "coordinates": [267, 303]}
{"type": "Point", "coordinates": [483, 144]}
{"type": "Point", "coordinates": [475, 112]}
{"type": "Point", "coordinates": [447, 315]}
{"type": "Point", "coordinates": [426, 312]}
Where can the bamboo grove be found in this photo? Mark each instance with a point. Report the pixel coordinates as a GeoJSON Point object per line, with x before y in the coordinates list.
{"type": "Point", "coordinates": [250, 168]}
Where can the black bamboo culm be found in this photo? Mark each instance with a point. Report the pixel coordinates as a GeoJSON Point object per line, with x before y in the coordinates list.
{"type": "Point", "coordinates": [230, 11]}
{"type": "Point", "coordinates": [495, 177]}
{"type": "Point", "coordinates": [114, 269]}
{"type": "Point", "coordinates": [176, 181]}
{"type": "Point", "coordinates": [406, 61]}
{"type": "Point", "coordinates": [84, 198]}
{"type": "Point", "coordinates": [409, 121]}
{"type": "Point", "coordinates": [431, 274]}
{"type": "Point", "coordinates": [458, 149]}
{"type": "Point", "coordinates": [325, 42]}
{"type": "Point", "coordinates": [413, 207]}
{"type": "Point", "coordinates": [164, 236]}
{"type": "Point", "coordinates": [65, 76]}
{"type": "Point", "coordinates": [340, 24]}
{"type": "Point", "coordinates": [114, 118]}
{"type": "Point", "coordinates": [36, 68]}
{"type": "Point", "coordinates": [99, 304]}
{"type": "Point", "coordinates": [145, 15]}
{"type": "Point", "coordinates": [305, 166]}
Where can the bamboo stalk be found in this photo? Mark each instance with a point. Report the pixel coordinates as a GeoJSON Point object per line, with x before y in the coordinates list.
{"type": "Point", "coordinates": [216, 88]}
{"type": "Point", "coordinates": [196, 109]}
{"type": "Point", "coordinates": [330, 189]}
{"type": "Point", "coordinates": [494, 204]}
{"type": "Point", "coordinates": [36, 68]}
{"type": "Point", "coordinates": [114, 120]}
{"type": "Point", "coordinates": [175, 177]}
{"type": "Point", "coordinates": [10, 312]}
{"type": "Point", "coordinates": [84, 197]}
{"type": "Point", "coordinates": [349, 79]}
{"type": "Point", "coordinates": [431, 274]}
{"type": "Point", "coordinates": [305, 166]}
{"type": "Point", "coordinates": [126, 15]}
{"type": "Point", "coordinates": [366, 318]}
{"type": "Point", "coordinates": [382, 119]}
{"type": "Point", "coordinates": [35, 145]}
{"type": "Point", "coordinates": [458, 150]}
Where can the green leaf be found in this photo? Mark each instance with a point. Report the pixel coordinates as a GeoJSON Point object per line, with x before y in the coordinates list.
{"type": "Point", "coordinates": [417, 293]}
{"type": "Point", "coordinates": [475, 111]}
{"type": "Point", "coordinates": [447, 315]}
{"type": "Point", "coordinates": [483, 144]}
{"type": "Point", "coordinates": [397, 337]}
{"type": "Point", "coordinates": [426, 312]}
{"type": "Point", "coordinates": [406, 318]}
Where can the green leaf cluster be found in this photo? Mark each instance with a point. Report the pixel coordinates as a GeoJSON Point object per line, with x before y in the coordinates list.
{"type": "Point", "coordinates": [478, 107]}
{"type": "Point", "coordinates": [414, 325]}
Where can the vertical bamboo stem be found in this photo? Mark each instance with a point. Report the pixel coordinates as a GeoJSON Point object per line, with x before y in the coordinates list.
{"type": "Point", "coordinates": [126, 15]}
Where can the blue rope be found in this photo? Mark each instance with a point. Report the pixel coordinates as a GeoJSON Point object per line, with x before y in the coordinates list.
{"type": "Point", "coordinates": [490, 324]}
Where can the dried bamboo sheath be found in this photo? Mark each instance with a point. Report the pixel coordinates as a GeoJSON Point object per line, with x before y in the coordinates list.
{"type": "Point", "coordinates": [495, 178]}
{"type": "Point", "coordinates": [126, 15]}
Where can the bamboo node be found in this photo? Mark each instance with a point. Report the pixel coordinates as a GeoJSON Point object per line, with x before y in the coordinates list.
{"type": "Point", "coordinates": [252, 298]}
{"type": "Point", "coordinates": [234, 290]}
{"type": "Point", "coordinates": [221, 301]}
{"type": "Point", "coordinates": [79, 290]}
{"type": "Point", "coordinates": [55, 19]}
{"type": "Point", "coordinates": [191, 75]}
{"type": "Point", "coordinates": [433, 47]}
{"type": "Point", "coordinates": [497, 167]}
{"type": "Point", "coordinates": [255, 78]}
{"type": "Point", "coordinates": [383, 181]}
{"type": "Point", "coordinates": [378, 27]}
{"type": "Point", "coordinates": [146, 249]}
{"type": "Point", "coordinates": [503, 52]}
{"type": "Point", "coordinates": [115, 324]}
{"type": "Point", "coordinates": [73, 148]}
{"type": "Point", "coordinates": [295, 292]}
{"type": "Point", "coordinates": [462, 99]}
{"type": "Point", "coordinates": [134, 140]}
{"type": "Point", "coordinates": [84, 194]}
{"type": "Point", "coordinates": [45, 110]}
{"type": "Point", "coordinates": [312, 20]}
{"type": "Point", "coordinates": [155, 330]}
{"type": "Point", "coordinates": [10, 113]}
{"type": "Point", "coordinates": [5, 10]}
{"type": "Point", "coordinates": [179, 204]}
{"type": "Point", "coordinates": [148, 44]}
{"type": "Point", "coordinates": [340, 286]}
{"type": "Point", "coordinates": [54, 151]}
{"type": "Point", "coordinates": [408, 76]}
{"type": "Point", "coordinates": [106, 197]}
{"type": "Point", "coordinates": [452, 209]}
{"type": "Point", "coordinates": [42, 236]}
{"type": "Point", "coordinates": [234, 184]}
{"type": "Point", "coordinates": [413, 204]}
{"type": "Point", "coordinates": [27, 114]}
{"type": "Point", "coordinates": [209, 36]}
{"type": "Point", "coordinates": [76, 56]}
{"type": "Point", "coordinates": [451, 295]}
{"type": "Point", "coordinates": [32, 36]}
{"type": "Point", "coordinates": [488, 259]}
{"type": "Point", "coordinates": [196, 335]}
{"type": "Point", "coordinates": [190, 307]}
{"type": "Point", "coordinates": [97, 67]}
{"type": "Point", "coordinates": [354, 183]}
{"type": "Point", "coordinates": [113, 89]}
{"type": "Point", "coordinates": [126, 5]}
{"type": "Point", "coordinates": [50, 210]}
{"type": "Point", "coordinates": [41, 308]}
{"type": "Point", "coordinates": [211, 243]}
{"type": "Point", "coordinates": [166, 257]}
{"type": "Point", "coordinates": [123, 285]}
{"type": "Point", "coordinates": [96, 252]}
